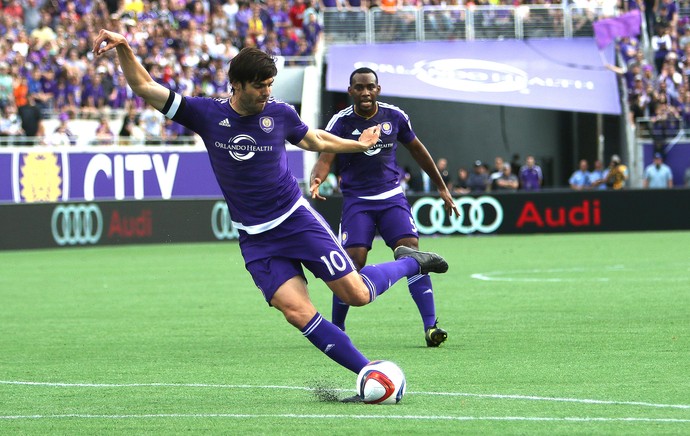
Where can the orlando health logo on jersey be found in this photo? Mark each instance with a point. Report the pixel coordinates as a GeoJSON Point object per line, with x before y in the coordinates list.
{"type": "Point", "coordinates": [386, 129]}
{"type": "Point", "coordinates": [243, 147]}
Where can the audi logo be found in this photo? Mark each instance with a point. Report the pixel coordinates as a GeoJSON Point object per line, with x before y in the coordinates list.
{"type": "Point", "coordinates": [221, 224]}
{"type": "Point", "coordinates": [77, 224]}
{"type": "Point", "coordinates": [431, 217]}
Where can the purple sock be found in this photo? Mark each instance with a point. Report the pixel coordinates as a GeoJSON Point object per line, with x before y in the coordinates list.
{"type": "Point", "coordinates": [339, 312]}
{"type": "Point", "coordinates": [334, 343]}
{"type": "Point", "coordinates": [423, 296]}
{"type": "Point", "coordinates": [378, 279]}
{"type": "Point", "coordinates": [382, 276]}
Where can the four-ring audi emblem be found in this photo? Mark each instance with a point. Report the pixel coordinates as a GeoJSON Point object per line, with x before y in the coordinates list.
{"type": "Point", "coordinates": [482, 214]}
{"type": "Point", "coordinates": [77, 224]}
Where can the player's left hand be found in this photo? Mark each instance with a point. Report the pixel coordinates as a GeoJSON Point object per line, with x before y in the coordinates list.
{"type": "Point", "coordinates": [449, 204]}
{"type": "Point", "coordinates": [314, 189]}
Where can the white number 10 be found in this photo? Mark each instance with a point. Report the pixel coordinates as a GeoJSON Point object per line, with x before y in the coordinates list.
{"type": "Point", "coordinates": [336, 261]}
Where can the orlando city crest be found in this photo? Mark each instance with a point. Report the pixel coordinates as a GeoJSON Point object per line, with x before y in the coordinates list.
{"type": "Point", "coordinates": [386, 127]}
{"type": "Point", "coordinates": [266, 124]}
{"type": "Point", "coordinates": [40, 177]}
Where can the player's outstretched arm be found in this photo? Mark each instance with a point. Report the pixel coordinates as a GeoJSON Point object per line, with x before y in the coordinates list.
{"type": "Point", "coordinates": [321, 140]}
{"type": "Point", "coordinates": [137, 77]}
{"type": "Point", "coordinates": [422, 156]}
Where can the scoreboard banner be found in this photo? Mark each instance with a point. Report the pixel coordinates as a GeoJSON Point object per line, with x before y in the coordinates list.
{"type": "Point", "coordinates": [554, 74]}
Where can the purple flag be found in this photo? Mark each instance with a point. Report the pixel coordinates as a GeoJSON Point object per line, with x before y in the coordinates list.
{"type": "Point", "coordinates": [608, 29]}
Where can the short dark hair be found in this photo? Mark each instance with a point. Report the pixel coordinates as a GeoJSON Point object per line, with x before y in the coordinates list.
{"type": "Point", "coordinates": [364, 70]}
{"type": "Point", "coordinates": [251, 65]}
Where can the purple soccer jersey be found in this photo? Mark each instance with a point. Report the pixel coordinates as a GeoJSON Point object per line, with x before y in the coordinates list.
{"type": "Point", "coordinates": [244, 152]}
{"type": "Point", "coordinates": [373, 198]}
{"type": "Point", "coordinates": [373, 175]}
{"type": "Point", "coordinates": [375, 171]}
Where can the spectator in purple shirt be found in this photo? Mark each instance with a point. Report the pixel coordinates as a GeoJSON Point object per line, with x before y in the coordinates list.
{"type": "Point", "coordinates": [312, 30]}
{"type": "Point", "coordinates": [304, 52]}
{"type": "Point", "coordinates": [49, 86]}
{"type": "Point", "coordinates": [183, 17]}
{"type": "Point", "coordinates": [278, 12]}
{"type": "Point", "coordinates": [272, 45]}
{"type": "Point", "coordinates": [83, 7]}
{"type": "Point", "coordinates": [93, 96]}
{"type": "Point", "coordinates": [120, 94]}
{"type": "Point", "coordinates": [287, 47]}
{"type": "Point", "coordinates": [35, 88]}
{"type": "Point", "coordinates": [530, 175]}
{"type": "Point", "coordinates": [244, 14]}
{"type": "Point", "coordinates": [219, 84]}
{"type": "Point", "coordinates": [668, 11]}
{"type": "Point", "coordinates": [63, 99]}
{"type": "Point", "coordinates": [198, 13]}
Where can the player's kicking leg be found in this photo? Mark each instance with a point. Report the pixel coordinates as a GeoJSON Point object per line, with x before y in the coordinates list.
{"type": "Point", "coordinates": [374, 280]}
{"type": "Point", "coordinates": [292, 299]}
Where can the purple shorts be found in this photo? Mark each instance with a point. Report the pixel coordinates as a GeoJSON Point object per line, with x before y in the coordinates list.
{"type": "Point", "coordinates": [275, 256]}
{"type": "Point", "coordinates": [361, 218]}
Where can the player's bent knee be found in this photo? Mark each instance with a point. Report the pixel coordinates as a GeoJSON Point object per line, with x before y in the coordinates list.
{"type": "Point", "coordinates": [351, 290]}
{"type": "Point", "coordinates": [298, 318]}
{"type": "Point", "coordinates": [295, 312]}
{"type": "Point", "coordinates": [358, 297]}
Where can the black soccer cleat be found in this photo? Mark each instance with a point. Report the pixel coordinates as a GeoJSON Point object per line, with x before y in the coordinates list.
{"type": "Point", "coordinates": [435, 336]}
{"type": "Point", "coordinates": [353, 399]}
{"type": "Point", "coordinates": [428, 262]}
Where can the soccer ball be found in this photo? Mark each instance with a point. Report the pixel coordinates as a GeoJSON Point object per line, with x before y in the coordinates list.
{"type": "Point", "coordinates": [381, 382]}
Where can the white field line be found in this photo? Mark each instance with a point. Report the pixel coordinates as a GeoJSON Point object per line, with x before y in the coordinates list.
{"type": "Point", "coordinates": [302, 388]}
{"type": "Point", "coordinates": [386, 417]}
{"type": "Point", "coordinates": [602, 274]}
{"type": "Point", "coordinates": [536, 275]}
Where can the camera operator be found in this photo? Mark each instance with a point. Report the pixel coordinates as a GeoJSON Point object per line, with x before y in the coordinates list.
{"type": "Point", "coordinates": [617, 173]}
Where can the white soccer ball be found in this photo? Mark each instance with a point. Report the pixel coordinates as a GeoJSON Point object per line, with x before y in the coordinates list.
{"type": "Point", "coordinates": [381, 382]}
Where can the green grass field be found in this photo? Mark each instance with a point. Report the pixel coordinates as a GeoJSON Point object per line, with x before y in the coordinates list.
{"type": "Point", "coordinates": [548, 334]}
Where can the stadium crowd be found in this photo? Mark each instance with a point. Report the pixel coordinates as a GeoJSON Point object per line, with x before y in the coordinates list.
{"type": "Point", "coordinates": [46, 60]}
{"type": "Point", "coordinates": [47, 67]}
{"type": "Point", "coordinates": [658, 85]}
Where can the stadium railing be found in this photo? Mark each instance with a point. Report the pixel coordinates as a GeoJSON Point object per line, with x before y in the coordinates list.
{"type": "Point", "coordinates": [434, 23]}
{"type": "Point", "coordinates": [668, 131]}
{"type": "Point", "coordinates": [92, 141]}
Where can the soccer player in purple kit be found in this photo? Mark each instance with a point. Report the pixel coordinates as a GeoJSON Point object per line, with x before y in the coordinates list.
{"type": "Point", "coordinates": [279, 232]}
{"type": "Point", "coordinates": [372, 196]}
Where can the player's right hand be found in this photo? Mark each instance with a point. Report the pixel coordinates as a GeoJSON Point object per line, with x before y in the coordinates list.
{"type": "Point", "coordinates": [111, 40]}
{"type": "Point", "coordinates": [371, 135]}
